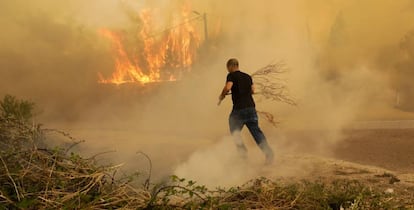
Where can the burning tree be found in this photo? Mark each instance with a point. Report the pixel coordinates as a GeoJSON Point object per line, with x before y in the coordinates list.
{"type": "Point", "coordinates": [152, 56]}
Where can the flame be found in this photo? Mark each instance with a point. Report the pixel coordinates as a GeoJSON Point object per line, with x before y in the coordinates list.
{"type": "Point", "coordinates": [165, 57]}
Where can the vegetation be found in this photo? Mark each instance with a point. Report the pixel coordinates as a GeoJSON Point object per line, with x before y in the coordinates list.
{"type": "Point", "coordinates": [56, 178]}
{"type": "Point", "coordinates": [21, 110]}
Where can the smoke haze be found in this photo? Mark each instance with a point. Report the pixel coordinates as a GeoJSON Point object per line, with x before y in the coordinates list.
{"type": "Point", "coordinates": [348, 60]}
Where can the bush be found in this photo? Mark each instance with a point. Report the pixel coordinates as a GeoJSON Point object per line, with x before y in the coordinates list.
{"type": "Point", "coordinates": [11, 107]}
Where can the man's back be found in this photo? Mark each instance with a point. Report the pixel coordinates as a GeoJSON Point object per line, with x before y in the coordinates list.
{"type": "Point", "coordinates": [241, 90]}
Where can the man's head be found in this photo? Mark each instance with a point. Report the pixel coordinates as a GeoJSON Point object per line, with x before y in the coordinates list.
{"type": "Point", "coordinates": [232, 65]}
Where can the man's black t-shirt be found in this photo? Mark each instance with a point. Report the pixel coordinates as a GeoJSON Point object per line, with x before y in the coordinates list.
{"type": "Point", "coordinates": [241, 91]}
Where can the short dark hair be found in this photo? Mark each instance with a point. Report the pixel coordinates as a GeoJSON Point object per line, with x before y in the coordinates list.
{"type": "Point", "coordinates": [232, 62]}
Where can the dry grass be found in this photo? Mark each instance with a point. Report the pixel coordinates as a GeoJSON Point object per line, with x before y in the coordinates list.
{"type": "Point", "coordinates": [54, 178]}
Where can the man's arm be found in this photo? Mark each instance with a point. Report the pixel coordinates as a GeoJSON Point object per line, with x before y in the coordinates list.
{"type": "Point", "coordinates": [226, 90]}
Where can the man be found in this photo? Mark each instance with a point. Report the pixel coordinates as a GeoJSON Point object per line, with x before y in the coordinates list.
{"type": "Point", "coordinates": [244, 111]}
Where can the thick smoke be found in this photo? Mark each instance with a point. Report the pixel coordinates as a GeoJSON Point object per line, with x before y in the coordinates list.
{"type": "Point", "coordinates": [348, 60]}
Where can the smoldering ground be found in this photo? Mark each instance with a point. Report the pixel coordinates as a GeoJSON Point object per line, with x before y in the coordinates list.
{"type": "Point", "coordinates": [347, 59]}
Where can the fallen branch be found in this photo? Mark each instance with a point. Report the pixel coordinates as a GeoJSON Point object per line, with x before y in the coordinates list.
{"type": "Point", "coordinates": [268, 117]}
{"type": "Point", "coordinates": [269, 83]}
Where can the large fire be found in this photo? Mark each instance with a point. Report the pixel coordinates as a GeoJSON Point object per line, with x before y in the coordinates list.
{"type": "Point", "coordinates": [152, 56]}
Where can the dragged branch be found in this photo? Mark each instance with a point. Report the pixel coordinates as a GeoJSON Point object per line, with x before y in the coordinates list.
{"type": "Point", "coordinates": [271, 86]}
{"type": "Point", "coordinates": [269, 117]}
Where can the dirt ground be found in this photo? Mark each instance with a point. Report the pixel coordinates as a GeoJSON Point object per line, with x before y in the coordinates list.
{"type": "Point", "coordinates": [392, 149]}
{"type": "Point", "coordinates": [365, 154]}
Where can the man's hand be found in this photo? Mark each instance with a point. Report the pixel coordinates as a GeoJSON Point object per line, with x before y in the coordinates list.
{"type": "Point", "coordinates": [221, 97]}
{"type": "Point", "coordinates": [225, 90]}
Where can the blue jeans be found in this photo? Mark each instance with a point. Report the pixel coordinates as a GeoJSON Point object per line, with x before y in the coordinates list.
{"type": "Point", "coordinates": [248, 116]}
